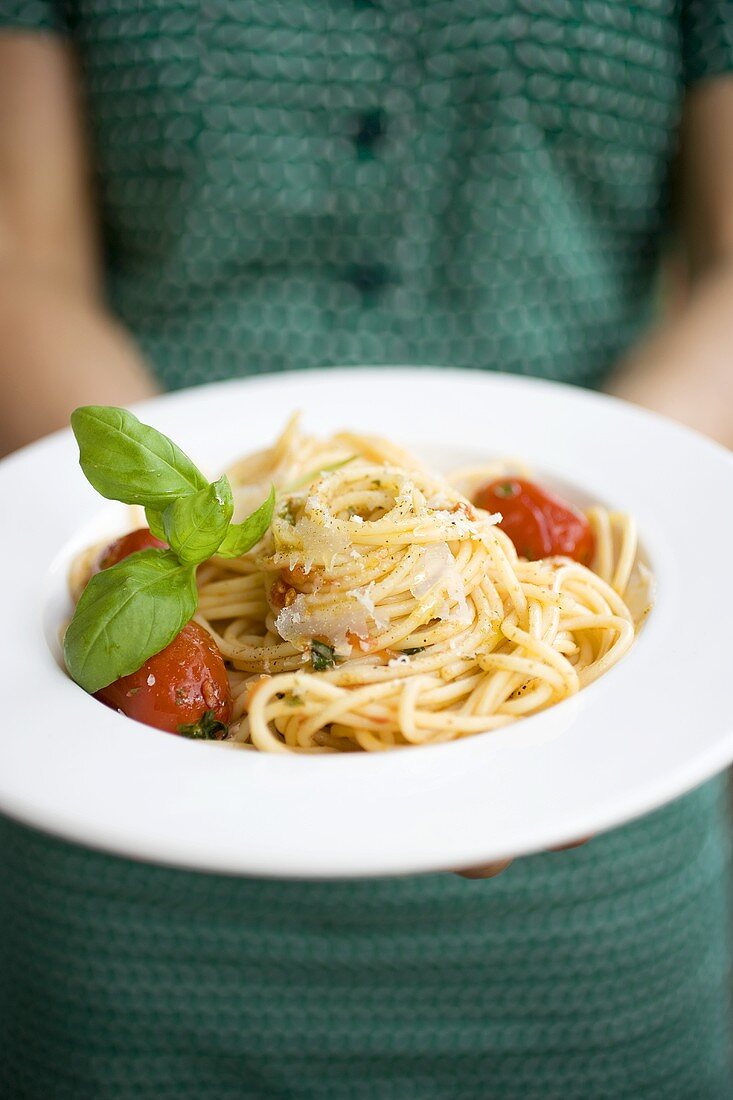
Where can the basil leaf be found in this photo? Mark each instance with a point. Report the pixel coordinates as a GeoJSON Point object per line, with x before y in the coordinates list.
{"type": "Point", "coordinates": [126, 614]}
{"type": "Point", "coordinates": [241, 537]}
{"type": "Point", "coordinates": [129, 461]}
{"type": "Point", "coordinates": [155, 523]}
{"type": "Point", "coordinates": [196, 524]}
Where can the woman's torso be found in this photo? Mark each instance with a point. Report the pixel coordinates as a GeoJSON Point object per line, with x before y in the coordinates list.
{"type": "Point", "coordinates": [474, 183]}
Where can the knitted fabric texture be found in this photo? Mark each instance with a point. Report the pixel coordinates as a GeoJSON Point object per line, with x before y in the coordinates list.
{"type": "Point", "coordinates": [286, 184]}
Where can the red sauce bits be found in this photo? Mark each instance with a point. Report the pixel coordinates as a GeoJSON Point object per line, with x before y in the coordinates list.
{"type": "Point", "coordinates": [183, 689]}
{"type": "Point", "coordinates": [540, 524]}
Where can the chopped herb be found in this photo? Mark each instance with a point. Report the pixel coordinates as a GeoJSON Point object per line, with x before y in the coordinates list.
{"type": "Point", "coordinates": [293, 701]}
{"type": "Point", "coordinates": [180, 695]}
{"type": "Point", "coordinates": [322, 656]}
{"type": "Point", "coordinates": [288, 514]}
{"type": "Point", "coordinates": [506, 489]}
{"type": "Point", "coordinates": [414, 650]}
{"type": "Point", "coordinates": [206, 728]}
{"type": "Point", "coordinates": [376, 484]}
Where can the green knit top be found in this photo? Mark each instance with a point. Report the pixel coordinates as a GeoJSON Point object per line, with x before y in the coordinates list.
{"type": "Point", "coordinates": [289, 183]}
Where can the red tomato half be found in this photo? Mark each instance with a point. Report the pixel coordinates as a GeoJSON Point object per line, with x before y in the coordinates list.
{"type": "Point", "coordinates": [183, 689]}
{"type": "Point", "coordinates": [142, 539]}
{"type": "Point", "coordinates": [539, 524]}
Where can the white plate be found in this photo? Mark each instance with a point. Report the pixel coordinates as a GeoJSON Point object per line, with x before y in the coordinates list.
{"type": "Point", "coordinates": [655, 726]}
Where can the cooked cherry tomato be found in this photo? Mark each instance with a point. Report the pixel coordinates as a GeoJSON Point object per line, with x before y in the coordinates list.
{"type": "Point", "coordinates": [538, 523]}
{"type": "Point", "coordinates": [142, 539]}
{"type": "Point", "coordinates": [183, 689]}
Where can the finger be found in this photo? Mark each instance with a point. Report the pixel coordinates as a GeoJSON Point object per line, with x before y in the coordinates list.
{"type": "Point", "coordinates": [572, 844]}
{"type": "Point", "coordinates": [491, 870]}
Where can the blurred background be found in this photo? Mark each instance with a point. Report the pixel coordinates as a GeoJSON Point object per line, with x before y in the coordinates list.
{"type": "Point", "coordinates": [196, 191]}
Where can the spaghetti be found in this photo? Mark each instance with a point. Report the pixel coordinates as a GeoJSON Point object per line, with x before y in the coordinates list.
{"type": "Point", "coordinates": [384, 609]}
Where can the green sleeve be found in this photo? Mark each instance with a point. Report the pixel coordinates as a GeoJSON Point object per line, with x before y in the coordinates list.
{"type": "Point", "coordinates": [33, 15]}
{"type": "Point", "coordinates": [707, 38]}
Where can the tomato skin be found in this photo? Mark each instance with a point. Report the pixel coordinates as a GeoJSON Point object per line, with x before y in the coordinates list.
{"type": "Point", "coordinates": [141, 539]}
{"type": "Point", "coordinates": [186, 684]}
{"type": "Point", "coordinates": [539, 523]}
{"type": "Point", "coordinates": [177, 687]}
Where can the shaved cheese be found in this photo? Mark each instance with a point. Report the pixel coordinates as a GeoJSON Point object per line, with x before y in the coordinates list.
{"type": "Point", "coordinates": [364, 596]}
{"type": "Point", "coordinates": [315, 543]}
{"type": "Point", "coordinates": [441, 502]}
{"type": "Point", "coordinates": [435, 561]}
{"type": "Point", "coordinates": [304, 620]}
{"type": "Point", "coordinates": [436, 575]}
{"type": "Point", "coordinates": [321, 545]}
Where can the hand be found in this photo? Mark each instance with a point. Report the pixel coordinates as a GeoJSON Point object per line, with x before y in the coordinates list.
{"type": "Point", "coordinates": [491, 870]}
{"type": "Point", "coordinates": [59, 345]}
{"type": "Point", "coordinates": [683, 367]}
{"type": "Point", "coordinates": [59, 349]}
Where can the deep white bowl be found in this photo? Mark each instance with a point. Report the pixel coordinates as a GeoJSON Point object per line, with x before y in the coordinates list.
{"type": "Point", "coordinates": [655, 726]}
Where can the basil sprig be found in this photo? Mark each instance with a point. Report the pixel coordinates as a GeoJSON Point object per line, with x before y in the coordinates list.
{"type": "Point", "coordinates": [241, 537]}
{"type": "Point", "coordinates": [129, 461]}
{"type": "Point", "coordinates": [155, 523]}
{"type": "Point", "coordinates": [134, 609]}
{"type": "Point", "coordinates": [195, 525]}
{"type": "Point", "coordinates": [126, 614]}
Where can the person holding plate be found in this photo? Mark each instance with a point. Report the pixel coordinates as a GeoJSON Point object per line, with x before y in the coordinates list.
{"type": "Point", "coordinates": [195, 192]}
